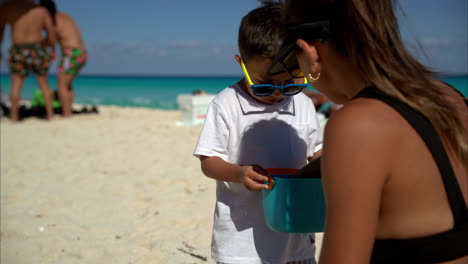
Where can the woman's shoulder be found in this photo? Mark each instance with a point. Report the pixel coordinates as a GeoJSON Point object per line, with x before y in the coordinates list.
{"type": "Point", "coordinates": [366, 132]}
{"type": "Point", "coordinates": [367, 122]}
{"type": "Point", "coordinates": [365, 114]}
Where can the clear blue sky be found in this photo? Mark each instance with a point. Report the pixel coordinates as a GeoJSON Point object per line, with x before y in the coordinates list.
{"type": "Point", "coordinates": [186, 37]}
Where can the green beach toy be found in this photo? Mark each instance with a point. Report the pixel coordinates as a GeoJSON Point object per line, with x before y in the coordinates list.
{"type": "Point", "coordinates": [38, 100]}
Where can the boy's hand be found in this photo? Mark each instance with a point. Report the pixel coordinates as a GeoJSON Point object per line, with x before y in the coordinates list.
{"type": "Point", "coordinates": [253, 177]}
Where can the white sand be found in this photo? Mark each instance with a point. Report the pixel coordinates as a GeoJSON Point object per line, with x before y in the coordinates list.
{"type": "Point", "coordinates": [118, 187]}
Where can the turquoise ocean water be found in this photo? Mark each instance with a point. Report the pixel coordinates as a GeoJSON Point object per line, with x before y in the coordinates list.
{"type": "Point", "coordinates": [151, 91]}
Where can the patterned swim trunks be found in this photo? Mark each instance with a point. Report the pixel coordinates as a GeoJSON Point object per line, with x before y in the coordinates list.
{"type": "Point", "coordinates": [73, 59]}
{"type": "Point", "coordinates": [29, 57]}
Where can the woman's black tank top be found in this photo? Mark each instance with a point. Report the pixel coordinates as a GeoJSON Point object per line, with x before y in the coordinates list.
{"type": "Point", "coordinates": [444, 246]}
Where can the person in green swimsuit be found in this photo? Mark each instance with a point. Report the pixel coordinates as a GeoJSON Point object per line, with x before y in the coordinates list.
{"type": "Point", "coordinates": [74, 55]}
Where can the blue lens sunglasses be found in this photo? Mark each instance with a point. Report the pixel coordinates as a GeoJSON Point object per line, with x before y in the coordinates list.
{"type": "Point", "coordinates": [268, 89]}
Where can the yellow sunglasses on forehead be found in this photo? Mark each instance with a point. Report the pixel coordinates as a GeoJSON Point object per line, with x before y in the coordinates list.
{"type": "Point", "coordinates": [268, 89]}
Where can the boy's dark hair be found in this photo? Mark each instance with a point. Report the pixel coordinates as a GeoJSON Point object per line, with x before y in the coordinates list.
{"type": "Point", "coordinates": [50, 6]}
{"type": "Point", "coordinates": [260, 31]}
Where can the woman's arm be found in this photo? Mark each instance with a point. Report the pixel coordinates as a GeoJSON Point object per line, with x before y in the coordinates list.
{"type": "Point", "coordinates": [354, 171]}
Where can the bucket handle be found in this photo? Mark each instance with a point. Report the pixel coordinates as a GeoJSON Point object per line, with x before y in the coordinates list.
{"type": "Point", "coordinates": [270, 182]}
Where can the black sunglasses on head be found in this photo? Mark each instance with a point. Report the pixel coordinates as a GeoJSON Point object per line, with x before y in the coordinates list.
{"type": "Point", "coordinates": [285, 59]}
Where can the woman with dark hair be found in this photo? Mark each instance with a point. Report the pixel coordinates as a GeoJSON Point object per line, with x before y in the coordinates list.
{"type": "Point", "coordinates": [395, 156]}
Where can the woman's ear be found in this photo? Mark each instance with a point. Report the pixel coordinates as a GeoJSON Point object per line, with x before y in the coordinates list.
{"type": "Point", "coordinates": [310, 50]}
{"type": "Point", "coordinates": [238, 58]}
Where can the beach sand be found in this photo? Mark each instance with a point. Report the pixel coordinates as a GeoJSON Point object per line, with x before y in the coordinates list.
{"type": "Point", "coordinates": [121, 186]}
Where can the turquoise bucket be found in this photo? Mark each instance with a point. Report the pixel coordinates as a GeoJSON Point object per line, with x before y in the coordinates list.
{"type": "Point", "coordinates": [294, 205]}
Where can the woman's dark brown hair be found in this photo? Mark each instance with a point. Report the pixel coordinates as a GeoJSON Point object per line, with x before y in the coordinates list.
{"type": "Point", "coordinates": [366, 31]}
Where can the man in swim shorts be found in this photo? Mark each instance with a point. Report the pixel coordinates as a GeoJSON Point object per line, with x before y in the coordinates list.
{"type": "Point", "coordinates": [27, 57]}
{"type": "Point", "coordinates": [29, 51]}
{"type": "Point", "coordinates": [74, 54]}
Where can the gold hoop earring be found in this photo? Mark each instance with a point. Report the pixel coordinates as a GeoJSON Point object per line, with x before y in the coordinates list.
{"type": "Point", "coordinates": [312, 78]}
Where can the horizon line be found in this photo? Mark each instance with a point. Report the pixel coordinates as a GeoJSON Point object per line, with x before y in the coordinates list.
{"type": "Point", "coordinates": [144, 75]}
{"type": "Point", "coordinates": [190, 75]}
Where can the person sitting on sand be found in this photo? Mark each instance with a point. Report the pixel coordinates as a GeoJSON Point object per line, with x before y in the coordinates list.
{"type": "Point", "coordinates": [198, 92]}
{"type": "Point", "coordinates": [29, 51]}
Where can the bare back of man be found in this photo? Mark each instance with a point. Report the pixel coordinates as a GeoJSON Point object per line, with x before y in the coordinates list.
{"type": "Point", "coordinates": [74, 57]}
{"type": "Point", "coordinates": [27, 22]}
{"type": "Point", "coordinates": [29, 49]}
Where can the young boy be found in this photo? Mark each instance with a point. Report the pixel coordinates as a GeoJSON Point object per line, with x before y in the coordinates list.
{"type": "Point", "coordinates": [250, 126]}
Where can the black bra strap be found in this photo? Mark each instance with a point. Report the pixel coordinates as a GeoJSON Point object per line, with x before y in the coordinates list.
{"type": "Point", "coordinates": [427, 132]}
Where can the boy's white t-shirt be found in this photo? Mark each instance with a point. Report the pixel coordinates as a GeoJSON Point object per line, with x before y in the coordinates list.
{"type": "Point", "coordinates": [240, 130]}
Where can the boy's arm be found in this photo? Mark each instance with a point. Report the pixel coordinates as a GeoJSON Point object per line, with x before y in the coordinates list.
{"type": "Point", "coordinates": [251, 176]}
